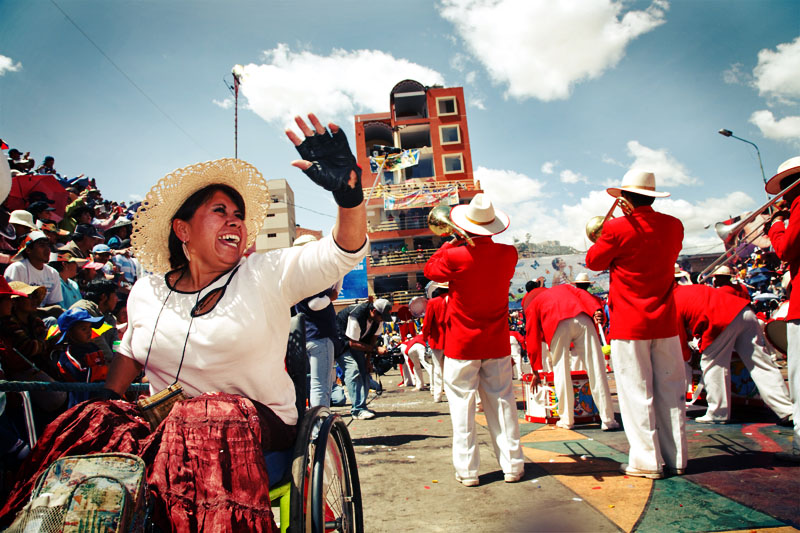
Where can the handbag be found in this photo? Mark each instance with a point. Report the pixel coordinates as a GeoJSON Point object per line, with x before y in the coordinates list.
{"type": "Point", "coordinates": [155, 408]}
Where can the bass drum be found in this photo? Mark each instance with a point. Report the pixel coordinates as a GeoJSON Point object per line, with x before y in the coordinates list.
{"type": "Point", "coordinates": [775, 329]}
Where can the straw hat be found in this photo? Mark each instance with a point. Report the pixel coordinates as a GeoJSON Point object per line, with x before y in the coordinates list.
{"type": "Point", "coordinates": [479, 217]}
{"type": "Point", "coordinates": [681, 276]}
{"type": "Point", "coordinates": [583, 277]}
{"type": "Point", "coordinates": [5, 289]}
{"type": "Point", "coordinates": [639, 182]}
{"type": "Point", "coordinates": [788, 167]}
{"type": "Point", "coordinates": [27, 290]}
{"type": "Point", "coordinates": [23, 218]}
{"type": "Point", "coordinates": [153, 221]}
{"type": "Point", "coordinates": [723, 270]}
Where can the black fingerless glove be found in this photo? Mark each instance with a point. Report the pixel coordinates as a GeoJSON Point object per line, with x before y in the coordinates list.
{"type": "Point", "coordinates": [331, 163]}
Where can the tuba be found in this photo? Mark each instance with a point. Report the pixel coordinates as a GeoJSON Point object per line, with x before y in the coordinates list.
{"type": "Point", "coordinates": [595, 225]}
{"type": "Point", "coordinates": [440, 223]}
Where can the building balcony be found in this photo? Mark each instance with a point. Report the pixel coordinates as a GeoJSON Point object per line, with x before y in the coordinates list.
{"type": "Point", "coordinates": [399, 298]}
{"type": "Point", "coordinates": [411, 260]}
{"type": "Point", "coordinates": [380, 192]}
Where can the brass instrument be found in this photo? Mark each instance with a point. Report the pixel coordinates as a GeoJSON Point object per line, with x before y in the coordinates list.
{"type": "Point", "coordinates": [439, 222]}
{"type": "Point", "coordinates": [731, 254]}
{"type": "Point", "coordinates": [595, 225]}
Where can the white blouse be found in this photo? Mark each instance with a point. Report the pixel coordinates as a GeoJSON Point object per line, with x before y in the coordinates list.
{"type": "Point", "coordinates": [240, 346]}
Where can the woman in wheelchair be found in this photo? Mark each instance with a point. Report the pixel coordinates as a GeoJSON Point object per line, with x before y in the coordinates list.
{"type": "Point", "coordinates": [210, 328]}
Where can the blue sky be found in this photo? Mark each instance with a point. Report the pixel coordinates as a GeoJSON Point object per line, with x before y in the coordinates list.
{"type": "Point", "coordinates": [563, 96]}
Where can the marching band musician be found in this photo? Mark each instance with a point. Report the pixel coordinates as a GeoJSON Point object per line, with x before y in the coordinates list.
{"type": "Point", "coordinates": [477, 339]}
{"type": "Point", "coordinates": [433, 330]}
{"type": "Point", "coordinates": [562, 316]}
{"type": "Point", "coordinates": [785, 239]}
{"type": "Point", "coordinates": [724, 323]}
{"type": "Point", "coordinates": [640, 251]}
{"type": "Point", "coordinates": [722, 278]}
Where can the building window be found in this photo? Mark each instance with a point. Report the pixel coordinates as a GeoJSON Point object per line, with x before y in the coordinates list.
{"type": "Point", "coordinates": [446, 105]}
{"type": "Point", "coordinates": [452, 163]}
{"type": "Point", "coordinates": [450, 134]}
{"type": "Point", "coordinates": [270, 215]}
{"type": "Point", "coordinates": [270, 235]}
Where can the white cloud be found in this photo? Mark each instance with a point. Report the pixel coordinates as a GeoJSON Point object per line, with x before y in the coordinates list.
{"type": "Point", "coordinates": [611, 161]}
{"type": "Point", "coordinates": [568, 176]}
{"type": "Point", "coordinates": [548, 167]}
{"type": "Point", "coordinates": [734, 74]}
{"type": "Point", "coordinates": [7, 65]}
{"type": "Point", "coordinates": [224, 104]}
{"type": "Point", "coordinates": [505, 186]}
{"type": "Point", "coordinates": [776, 74]}
{"type": "Point", "coordinates": [785, 129]}
{"type": "Point", "coordinates": [541, 48]}
{"type": "Point", "coordinates": [338, 85]}
{"type": "Point", "coordinates": [668, 170]}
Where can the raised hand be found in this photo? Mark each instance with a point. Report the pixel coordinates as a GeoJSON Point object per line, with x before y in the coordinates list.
{"type": "Point", "coordinates": [328, 161]}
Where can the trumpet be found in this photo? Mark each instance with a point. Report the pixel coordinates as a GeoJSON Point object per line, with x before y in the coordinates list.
{"type": "Point", "coordinates": [440, 223]}
{"type": "Point", "coordinates": [733, 253]}
{"type": "Point", "coordinates": [595, 225]}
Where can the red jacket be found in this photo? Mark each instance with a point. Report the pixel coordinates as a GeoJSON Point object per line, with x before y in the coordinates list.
{"type": "Point", "coordinates": [737, 290]}
{"type": "Point", "coordinates": [530, 295]}
{"type": "Point", "coordinates": [640, 251]}
{"type": "Point", "coordinates": [477, 309]}
{"type": "Point", "coordinates": [542, 317]}
{"type": "Point", "coordinates": [433, 326]}
{"type": "Point", "coordinates": [411, 342]}
{"type": "Point", "coordinates": [786, 243]}
{"type": "Point", "coordinates": [705, 312]}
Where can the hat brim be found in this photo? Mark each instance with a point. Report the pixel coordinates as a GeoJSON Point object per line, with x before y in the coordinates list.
{"type": "Point", "coordinates": [774, 184]}
{"type": "Point", "coordinates": [153, 221]}
{"type": "Point", "coordinates": [617, 191]}
{"type": "Point", "coordinates": [458, 214]}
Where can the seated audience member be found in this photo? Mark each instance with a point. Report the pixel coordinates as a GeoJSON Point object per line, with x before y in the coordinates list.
{"type": "Point", "coordinates": [101, 253]}
{"type": "Point", "coordinates": [11, 362]}
{"type": "Point", "coordinates": [31, 267]}
{"type": "Point", "coordinates": [67, 268]}
{"type": "Point", "coordinates": [40, 210]}
{"type": "Point", "coordinates": [78, 358]}
{"type": "Point", "coordinates": [48, 166]}
{"type": "Point", "coordinates": [100, 300]}
{"type": "Point", "coordinates": [54, 235]}
{"type": "Point", "coordinates": [119, 233]}
{"type": "Point", "coordinates": [23, 224]}
{"type": "Point", "coordinates": [24, 328]}
{"type": "Point", "coordinates": [83, 240]}
{"type": "Point", "coordinates": [77, 212]}
{"type": "Point", "coordinates": [126, 265]}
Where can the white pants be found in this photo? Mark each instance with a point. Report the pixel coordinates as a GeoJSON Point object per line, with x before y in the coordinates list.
{"type": "Point", "coordinates": [415, 354]}
{"type": "Point", "coordinates": [492, 378]}
{"type": "Point", "coordinates": [793, 362]}
{"type": "Point", "coordinates": [650, 388]}
{"type": "Point", "coordinates": [408, 378]}
{"type": "Point", "coordinates": [437, 379]}
{"type": "Point", "coordinates": [580, 332]}
{"type": "Point", "coordinates": [745, 336]}
{"type": "Point", "coordinates": [575, 363]}
{"type": "Point", "coordinates": [516, 368]}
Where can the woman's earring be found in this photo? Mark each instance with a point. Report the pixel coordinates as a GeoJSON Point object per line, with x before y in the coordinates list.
{"type": "Point", "coordinates": [186, 252]}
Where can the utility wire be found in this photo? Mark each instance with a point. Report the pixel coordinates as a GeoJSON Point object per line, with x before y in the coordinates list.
{"type": "Point", "coordinates": [130, 80]}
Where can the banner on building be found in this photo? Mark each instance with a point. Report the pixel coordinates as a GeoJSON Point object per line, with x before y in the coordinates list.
{"type": "Point", "coordinates": [427, 196]}
{"type": "Point", "coordinates": [392, 162]}
{"type": "Point", "coordinates": [553, 270]}
{"type": "Point", "coordinates": [354, 284]}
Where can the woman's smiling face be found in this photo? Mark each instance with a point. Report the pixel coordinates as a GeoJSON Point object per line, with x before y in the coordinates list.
{"type": "Point", "coordinates": [216, 235]}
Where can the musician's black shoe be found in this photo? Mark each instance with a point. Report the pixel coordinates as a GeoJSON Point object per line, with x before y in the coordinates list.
{"type": "Point", "coordinates": [786, 422]}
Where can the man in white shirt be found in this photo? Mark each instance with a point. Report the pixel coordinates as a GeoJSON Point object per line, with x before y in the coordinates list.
{"type": "Point", "coordinates": [31, 267]}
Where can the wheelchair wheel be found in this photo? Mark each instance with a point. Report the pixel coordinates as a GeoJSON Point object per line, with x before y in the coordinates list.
{"type": "Point", "coordinates": [305, 445]}
{"type": "Point", "coordinates": [335, 495]}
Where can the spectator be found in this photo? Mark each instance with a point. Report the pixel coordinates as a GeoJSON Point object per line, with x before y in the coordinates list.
{"type": "Point", "coordinates": [31, 267]}
{"type": "Point", "coordinates": [101, 253]}
{"type": "Point", "coordinates": [52, 232]}
{"type": "Point", "coordinates": [25, 329]}
{"type": "Point", "coordinates": [40, 210]}
{"type": "Point", "coordinates": [83, 240]}
{"type": "Point", "coordinates": [23, 223]}
{"type": "Point", "coordinates": [67, 268]}
{"type": "Point", "coordinates": [100, 300]}
{"type": "Point", "coordinates": [78, 358]}
{"type": "Point", "coordinates": [121, 231]}
{"type": "Point", "coordinates": [48, 166]}
{"type": "Point", "coordinates": [126, 264]}
{"type": "Point", "coordinates": [77, 213]}
{"type": "Point", "coordinates": [103, 220]}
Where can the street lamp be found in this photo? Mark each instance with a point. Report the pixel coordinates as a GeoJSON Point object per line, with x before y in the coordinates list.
{"type": "Point", "coordinates": [729, 133]}
{"type": "Point", "coordinates": [238, 71]}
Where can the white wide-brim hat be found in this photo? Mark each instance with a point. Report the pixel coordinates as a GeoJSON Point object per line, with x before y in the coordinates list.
{"type": "Point", "coordinates": [479, 217]}
{"type": "Point", "coordinates": [153, 221]}
{"type": "Point", "coordinates": [23, 218]}
{"type": "Point", "coordinates": [723, 270]}
{"type": "Point", "coordinates": [433, 285]}
{"type": "Point", "coordinates": [639, 182]}
{"type": "Point", "coordinates": [583, 277]}
{"type": "Point", "coordinates": [788, 167]}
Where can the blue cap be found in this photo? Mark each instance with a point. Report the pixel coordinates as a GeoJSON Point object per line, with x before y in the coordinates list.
{"type": "Point", "coordinates": [101, 249]}
{"type": "Point", "coordinates": [72, 317]}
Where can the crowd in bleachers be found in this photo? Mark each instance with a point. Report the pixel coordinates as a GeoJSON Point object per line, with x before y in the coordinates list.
{"type": "Point", "coordinates": [67, 264]}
